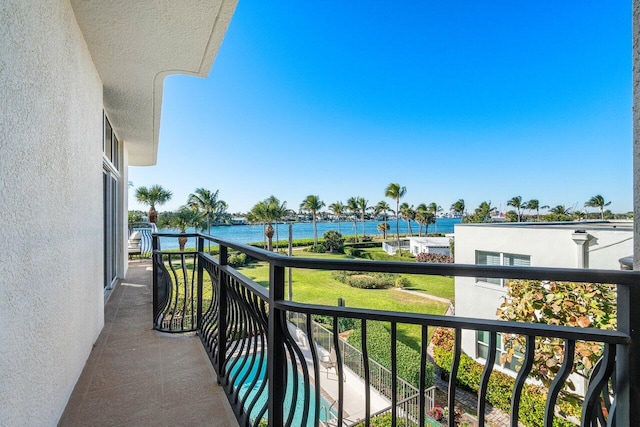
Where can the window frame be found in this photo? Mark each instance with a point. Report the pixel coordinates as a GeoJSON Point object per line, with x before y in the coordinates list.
{"type": "Point", "coordinates": [502, 256]}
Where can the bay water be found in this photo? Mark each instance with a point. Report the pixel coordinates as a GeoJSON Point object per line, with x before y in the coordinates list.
{"type": "Point", "coordinates": [304, 230]}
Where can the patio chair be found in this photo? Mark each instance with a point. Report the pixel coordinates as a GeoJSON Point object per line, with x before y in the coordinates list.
{"type": "Point", "coordinates": [134, 245]}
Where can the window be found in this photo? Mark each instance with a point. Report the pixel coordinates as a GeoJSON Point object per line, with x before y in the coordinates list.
{"type": "Point", "coordinates": [482, 351]}
{"type": "Point", "coordinates": [111, 204]}
{"type": "Point", "coordinates": [499, 258]}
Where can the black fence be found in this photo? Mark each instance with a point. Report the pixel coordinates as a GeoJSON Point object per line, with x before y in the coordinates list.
{"type": "Point", "coordinates": [273, 376]}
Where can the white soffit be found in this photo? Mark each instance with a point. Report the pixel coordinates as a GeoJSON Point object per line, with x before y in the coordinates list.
{"type": "Point", "coordinates": [136, 44]}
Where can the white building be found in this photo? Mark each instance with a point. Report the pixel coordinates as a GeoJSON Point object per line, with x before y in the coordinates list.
{"type": "Point", "coordinates": [597, 245]}
{"type": "Point", "coordinates": [81, 87]}
{"type": "Point", "coordinates": [430, 245]}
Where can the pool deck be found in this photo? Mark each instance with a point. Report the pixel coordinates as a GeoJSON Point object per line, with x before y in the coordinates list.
{"type": "Point", "coordinates": [136, 376]}
{"type": "Point", "coordinates": [353, 385]}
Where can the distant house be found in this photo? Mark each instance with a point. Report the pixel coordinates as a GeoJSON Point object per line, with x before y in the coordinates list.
{"type": "Point", "coordinates": [238, 220]}
{"type": "Point", "coordinates": [430, 245]}
{"type": "Point", "coordinates": [598, 245]}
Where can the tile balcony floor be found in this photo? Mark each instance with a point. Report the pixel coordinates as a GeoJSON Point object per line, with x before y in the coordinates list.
{"type": "Point", "coordinates": [136, 376]}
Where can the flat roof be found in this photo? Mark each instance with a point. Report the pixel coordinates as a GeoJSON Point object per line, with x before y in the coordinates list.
{"type": "Point", "coordinates": [622, 225]}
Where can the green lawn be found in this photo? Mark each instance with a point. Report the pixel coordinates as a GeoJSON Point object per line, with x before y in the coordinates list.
{"type": "Point", "coordinates": [318, 287]}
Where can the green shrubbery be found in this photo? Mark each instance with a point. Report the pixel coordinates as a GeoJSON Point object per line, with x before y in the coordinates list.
{"type": "Point", "coordinates": [344, 323]}
{"type": "Point", "coordinates": [402, 282]}
{"type": "Point", "coordinates": [379, 346]}
{"type": "Point", "coordinates": [238, 259]}
{"type": "Point", "coordinates": [365, 280]}
{"type": "Point", "coordinates": [333, 241]}
{"type": "Point", "coordinates": [500, 386]}
{"type": "Point", "coordinates": [383, 420]}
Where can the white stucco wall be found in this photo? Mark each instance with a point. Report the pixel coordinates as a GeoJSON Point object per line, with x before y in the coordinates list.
{"type": "Point", "coordinates": [548, 246]}
{"type": "Point", "coordinates": [51, 296]}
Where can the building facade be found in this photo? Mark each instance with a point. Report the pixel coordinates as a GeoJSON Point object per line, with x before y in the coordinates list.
{"type": "Point", "coordinates": [81, 84]}
{"type": "Point", "coordinates": [595, 245]}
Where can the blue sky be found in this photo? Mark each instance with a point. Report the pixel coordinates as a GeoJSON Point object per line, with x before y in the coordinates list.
{"type": "Point", "coordinates": [454, 99]}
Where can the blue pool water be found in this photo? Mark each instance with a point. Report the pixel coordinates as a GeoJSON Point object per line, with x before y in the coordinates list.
{"type": "Point", "coordinates": [258, 370]}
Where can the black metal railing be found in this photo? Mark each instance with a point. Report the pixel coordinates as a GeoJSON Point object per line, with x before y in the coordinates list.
{"type": "Point", "coordinates": [142, 247]}
{"type": "Point", "coordinates": [273, 376]}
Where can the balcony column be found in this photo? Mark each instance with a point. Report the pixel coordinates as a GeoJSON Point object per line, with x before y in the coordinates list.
{"type": "Point", "coordinates": [581, 237]}
{"type": "Point", "coordinates": [627, 363]}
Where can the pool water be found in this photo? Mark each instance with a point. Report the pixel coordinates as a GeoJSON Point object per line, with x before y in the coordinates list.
{"type": "Point", "coordinates": [243, 364]}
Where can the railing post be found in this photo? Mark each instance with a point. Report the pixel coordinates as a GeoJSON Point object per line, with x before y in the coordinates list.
{"type": "Point", "coordinates": [222, 314]}
{"type": "Point", "coordinates": [154, 248]}
{"type": "Point", "coordinates": [627, 411]}
{"type": "Point", "coordinates": [276, 359]}
{"type": "Point", "coordinates": [200, 247]}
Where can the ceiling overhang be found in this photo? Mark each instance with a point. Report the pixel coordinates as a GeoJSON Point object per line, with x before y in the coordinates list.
{"type": "Point", "coordinates": [135, 45]}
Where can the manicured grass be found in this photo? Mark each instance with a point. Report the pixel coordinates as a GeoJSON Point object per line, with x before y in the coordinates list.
{"type": "Point", "coordinates": [319, 287]}
{"type": "Point", "coordinates": [379, 254]}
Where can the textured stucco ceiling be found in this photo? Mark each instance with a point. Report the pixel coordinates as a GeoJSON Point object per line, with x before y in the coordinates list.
{"type": "Point", "coordinates": [135, 44]}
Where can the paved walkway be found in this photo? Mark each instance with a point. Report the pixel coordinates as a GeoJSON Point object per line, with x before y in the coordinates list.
{"type": "Point", "coordinates": [136, 376]}
{"type": "Point", "coordinates": [424, 295]}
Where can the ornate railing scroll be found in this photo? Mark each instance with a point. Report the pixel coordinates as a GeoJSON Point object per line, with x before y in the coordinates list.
{"type": "Point", "coordinates": [275, 373]}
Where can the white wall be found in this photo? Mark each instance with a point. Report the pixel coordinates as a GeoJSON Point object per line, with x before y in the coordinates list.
{"type": "Point", "coordinates": [51, 297]}
{"type": "Point", "coordinates": [548, 246]}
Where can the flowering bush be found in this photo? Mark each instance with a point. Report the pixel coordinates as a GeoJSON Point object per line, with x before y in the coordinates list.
{"type": "Point", "coordinates": [437, 413]}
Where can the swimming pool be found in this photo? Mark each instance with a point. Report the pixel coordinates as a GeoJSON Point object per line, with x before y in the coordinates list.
{"type": "Point", "coordinates": [257, 370]}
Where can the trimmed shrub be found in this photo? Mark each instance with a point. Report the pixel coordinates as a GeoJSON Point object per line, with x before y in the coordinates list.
{"type": "Point", "coordinates": [402, 282]}
{"type": "Point", "coordinates": [238, 259]}
{"type": "Point", "coordinates": [383, 420]}
{"type": "Point", "coordinates": [435, 258]}
{"type": "Point", "coordinates": [333, 241]}
{"type": "Point", "coordinates": [379, 346]}
{"type": "Point", "coordinates": [365, 280]}
{"type": "Point", "coordinates": [500, 385]}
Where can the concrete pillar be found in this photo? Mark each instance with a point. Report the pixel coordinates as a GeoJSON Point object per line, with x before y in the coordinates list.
{"type": "Point", "coordinates": [580, 237]}
{"type": "Point", "coordinates": [636, 132]}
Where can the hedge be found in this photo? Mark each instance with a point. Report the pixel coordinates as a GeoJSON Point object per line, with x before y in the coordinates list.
{"type": "Point", "coordinates": [365, 280]}
{"type": "Point", "coordinates": [500, 387]}
{"type": "Point", "coordinates": [379, 346]}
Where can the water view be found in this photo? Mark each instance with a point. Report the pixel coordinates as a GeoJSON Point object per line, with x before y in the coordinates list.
{"type": "Point", "coordinates": [304, 230]}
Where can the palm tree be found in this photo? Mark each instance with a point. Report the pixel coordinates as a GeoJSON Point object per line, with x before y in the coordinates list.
{"type": "Point", "coordinates": [362, 207]}
{"type": "Point", "coordinates": [383, 227]}
{"type": "Point", "coordinates": [434, 208]}
{"type": "Point", "coordinates": [459, 207]}
{"type": "Point", "coordinates": [516, 202]}
{"type": "Point", "coordinates": [182, 220]}
{"type": "Point", "coordinates": [396, 192]}
{"type": "Point", "coordinates": [408, 214]}
{"type": "Point", "coordinates": [153, 196]}
{"type": "Point", "coordinates": [278, 211]}
{"type": "Point", "coordinates": [264, 213]}
{"type": "Point", "coordinates": [352, 207]}
{"type": "Point", "coordinates": [337, 209]}
{"type": "Point", "coordinates": [313, 204]}
{"type": "Point", "coordinates": [560, 210]}
{"type": "Point", "coordinates": [597, 201]}
{"type": "Point", "coordinates": [421, 216]}
{"type": "Point", "coordinates": [383, 208]}
{"type": "Point", "coordinates": [205, 201]}
{"type": "Point", "coordinates": [483, 212]}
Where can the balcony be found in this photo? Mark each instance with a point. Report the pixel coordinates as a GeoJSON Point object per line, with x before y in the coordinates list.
{"type": "Point", "coordinates": [276, 367]}
{"type": "Point", "coordinates": [138, 376]}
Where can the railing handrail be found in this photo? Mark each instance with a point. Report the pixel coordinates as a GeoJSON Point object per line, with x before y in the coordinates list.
{"type": "Point", "coordinates": [618, 277]}
{"type": "Point", "coordinates": [267, 324]}
{"type": "Point", "coordinates": [521, 328]}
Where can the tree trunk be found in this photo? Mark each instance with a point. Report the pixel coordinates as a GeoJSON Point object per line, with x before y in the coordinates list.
{"type": "Point", "coordinates": [269, 234]}
{"type": "Point", "coordinates": [315, 230]}
{"type": "Point", "coordinates": [153, 215]}
{"type": "Point", "coordinates": [181, 242]}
